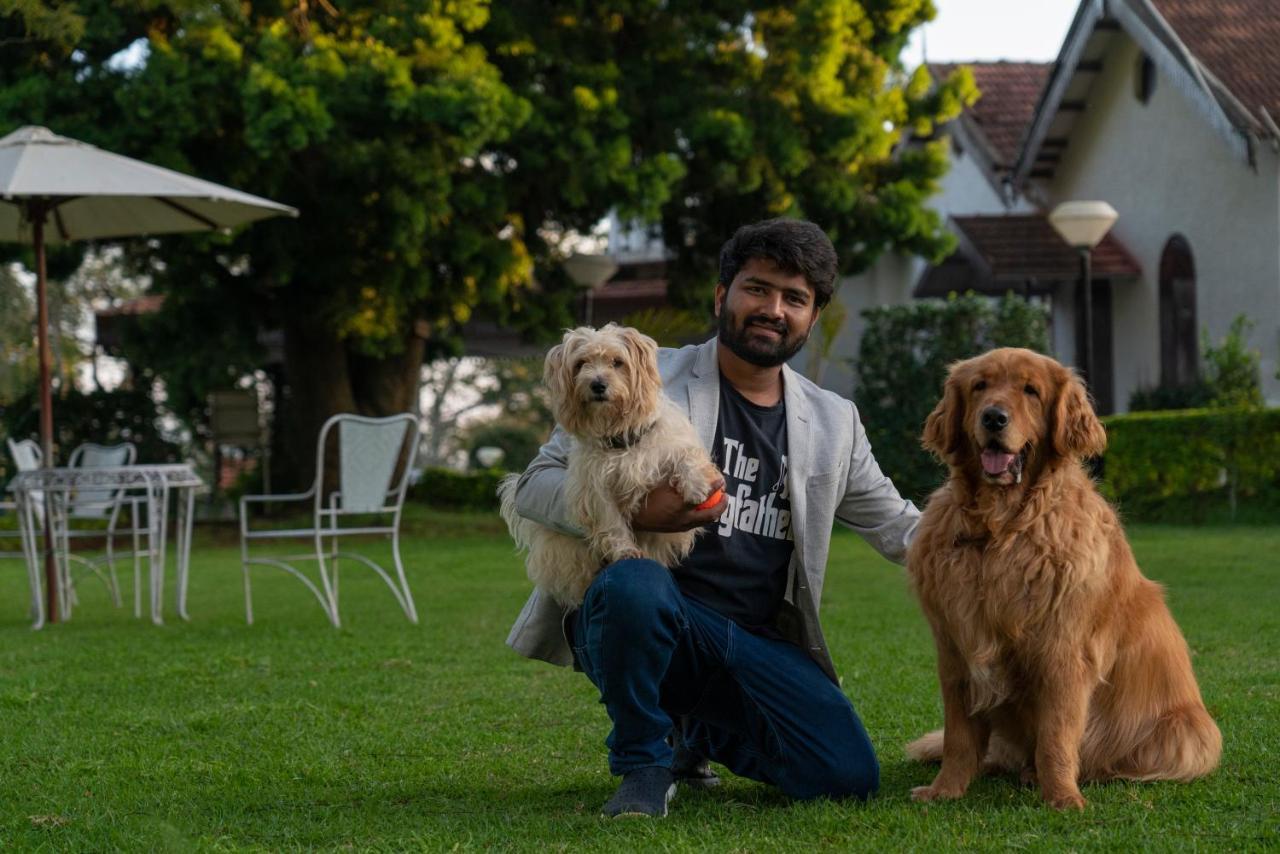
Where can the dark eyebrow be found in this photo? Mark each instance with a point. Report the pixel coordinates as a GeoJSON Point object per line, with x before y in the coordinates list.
{"type": "Point", "coordinates": [768, 284]}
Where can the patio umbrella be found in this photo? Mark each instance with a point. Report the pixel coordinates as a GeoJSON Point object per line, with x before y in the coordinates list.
{"type": "Point", "coordinates": [56, 190]}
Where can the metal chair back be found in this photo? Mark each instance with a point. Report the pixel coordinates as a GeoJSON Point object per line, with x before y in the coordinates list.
{"type": "Point", "coordinates": [26, 454]}
{"type": "Point", "coordinates": [99, 503]}
{"type": "Point", "coordinates": [369, 451]}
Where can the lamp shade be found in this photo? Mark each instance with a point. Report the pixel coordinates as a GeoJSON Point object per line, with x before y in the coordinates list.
{"type": "Point", "coordinates": [1083, 224]}
{"type": "Point", "coordinates": [490, 455]}
{"type": "Point", "coordinates": [590, 271]}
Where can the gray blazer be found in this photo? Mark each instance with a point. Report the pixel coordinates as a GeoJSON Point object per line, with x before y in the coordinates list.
{"type": "Point", "coordinates": [830, 471]}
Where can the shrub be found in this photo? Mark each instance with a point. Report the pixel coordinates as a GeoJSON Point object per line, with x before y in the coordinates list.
{"type": "Point", "coordinates": [902, 363]}
{"type": "Point", "coordinates": [670, 327]}
{"type": "Point", "coordinates": [452, 490]}
{"type": "Point", "coordinates": [1231, 369]}
{"type": "Point", "coordinates": [519, 442]}
{"type": "Point", "coordinates": [1196, 395]}
{"type": "Point", "coordinates": [1158, 462]}
{"type": "Point", "coordinates": [1230, 377]}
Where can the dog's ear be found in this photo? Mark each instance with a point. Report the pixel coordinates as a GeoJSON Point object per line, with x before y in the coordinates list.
{"type": "Point", "coordinates": [642, 353]}
{"type": "Point", "coordinates": [944, 428]}
{"type": "Point", "coordinates": [1077, 432]}
{"type": "Point", "coordinates": [557, 376]}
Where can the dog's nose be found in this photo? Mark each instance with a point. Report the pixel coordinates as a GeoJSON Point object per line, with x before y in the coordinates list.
{"type": "Point", "coordinates": [995, 419]}
{"type": "Point", "coordinates": [599, 386]}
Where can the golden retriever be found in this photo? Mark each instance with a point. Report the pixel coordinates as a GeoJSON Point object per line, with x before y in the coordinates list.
{"type": "Point", "coordinates": [1056, 656]}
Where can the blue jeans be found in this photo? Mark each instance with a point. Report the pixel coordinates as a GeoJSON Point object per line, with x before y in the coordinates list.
{"type": "Point", "coordinates": [761, 707]}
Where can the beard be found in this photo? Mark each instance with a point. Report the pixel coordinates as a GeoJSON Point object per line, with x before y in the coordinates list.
{"type": "Point", "coordinates": [755, 349]}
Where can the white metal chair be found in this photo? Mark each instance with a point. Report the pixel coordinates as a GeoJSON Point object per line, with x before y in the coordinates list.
{"type": "Point", "coordinates": [27, 457]}
{"type": "Point", "coordinates": [375, 456]}
{"type": "Point", "coordinates": [103, 504]}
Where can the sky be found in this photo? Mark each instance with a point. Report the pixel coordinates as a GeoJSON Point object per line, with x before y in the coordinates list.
{"type": "Point", "coordinates": [992, 29]}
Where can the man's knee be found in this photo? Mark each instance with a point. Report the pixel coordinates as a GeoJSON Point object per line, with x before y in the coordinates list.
{"type": "Point", "coordinates": [856, 775]}
{"type": "Point", "coordinates": [843, 763]}
{"type": "Point", "coordinates": [633, 592]}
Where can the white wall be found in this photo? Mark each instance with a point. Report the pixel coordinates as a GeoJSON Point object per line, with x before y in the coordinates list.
{"type": "Point", "coordinates": [888, 282]}
{"type": "Point", "coordinates": [964, 190]}
{"type": "Point", "coordinates": [1166, 172]}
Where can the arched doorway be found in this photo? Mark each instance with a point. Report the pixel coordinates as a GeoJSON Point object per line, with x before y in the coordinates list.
{"type": "Point", "coordinates": [1179, 353]}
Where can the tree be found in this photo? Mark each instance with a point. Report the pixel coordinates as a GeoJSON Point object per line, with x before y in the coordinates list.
{"type": "Point", "coordinates": [72, 297]}
{"type": "Point", "coordinates": [374, 121]}
{"type": "Point", "coordinates": [34, 21]}
{"type": "Point", "coordinates": [903, 360]}
{"type": "Point", "coordinates": [452, 388]}
{"type": "Point", "coordinates": [708, 115]}
{"type": "Point", "coordinates": [439, 153]}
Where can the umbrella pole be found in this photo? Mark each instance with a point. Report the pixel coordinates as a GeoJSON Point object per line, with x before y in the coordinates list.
{"type": "Point", "coordinates": [38, 211]}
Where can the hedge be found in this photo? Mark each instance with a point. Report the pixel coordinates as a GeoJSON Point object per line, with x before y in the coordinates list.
{"type": "Point", "coordinates": [453, 490]}
{"type": "Point", "coordinates": [1175, 466]}
{"type": "Point", "coordinates": [1167, 465]}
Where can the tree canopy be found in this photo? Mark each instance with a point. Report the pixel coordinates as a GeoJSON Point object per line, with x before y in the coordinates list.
{"type": "Point", "coordinates": [438, 152]}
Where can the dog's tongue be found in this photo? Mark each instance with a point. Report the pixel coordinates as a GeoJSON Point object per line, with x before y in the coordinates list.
{"type": "Point", "coordinates": [996, 462]}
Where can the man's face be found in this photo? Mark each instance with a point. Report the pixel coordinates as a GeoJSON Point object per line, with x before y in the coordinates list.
{"type": "Point", "coordinates": [765, 314]}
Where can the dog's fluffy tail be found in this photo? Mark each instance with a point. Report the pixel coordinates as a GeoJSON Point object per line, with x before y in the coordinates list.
{"type": "Point", "coordinates": [926, 748]}
{"type": "Point", "coordinates": [507, 507]}
{"type": "Point", "coordinates": [1002, 756]}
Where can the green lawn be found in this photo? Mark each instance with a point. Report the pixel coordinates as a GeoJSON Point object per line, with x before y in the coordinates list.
{"type": "Point", "coordinates": [121, 735]}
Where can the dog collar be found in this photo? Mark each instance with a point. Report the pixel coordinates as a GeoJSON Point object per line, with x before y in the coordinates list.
{"type": "Point", "coordinates": [622, 441]}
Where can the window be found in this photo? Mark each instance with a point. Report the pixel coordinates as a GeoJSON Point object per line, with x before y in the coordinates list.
{"type": "Point", "coordinates": [1179, 352]}
{"type": "Point", "coordinates": [1144, 78]}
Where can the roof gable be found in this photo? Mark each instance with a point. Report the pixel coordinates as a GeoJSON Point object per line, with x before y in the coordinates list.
{"type": "Point", "coordinates": [1009, 92]}
{"type": "Point", "coordinates": [1237, 40]}
{"type": "Point", "coordinates": [1090, 38]}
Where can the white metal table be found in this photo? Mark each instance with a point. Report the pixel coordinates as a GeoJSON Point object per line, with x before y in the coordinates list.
{"type": "Point", "coordinates": [53, 491]}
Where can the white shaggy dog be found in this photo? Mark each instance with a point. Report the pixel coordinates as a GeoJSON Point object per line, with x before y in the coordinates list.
{"type": "Point", "coordinates": [629, 438]}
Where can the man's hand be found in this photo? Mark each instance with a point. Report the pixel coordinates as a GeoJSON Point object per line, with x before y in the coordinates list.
{"type": "Point", "coordinates": [665, 510]}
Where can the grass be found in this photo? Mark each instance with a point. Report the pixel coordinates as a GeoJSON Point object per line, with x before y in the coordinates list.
{"type": "Point", "coordinates": [213, 735]}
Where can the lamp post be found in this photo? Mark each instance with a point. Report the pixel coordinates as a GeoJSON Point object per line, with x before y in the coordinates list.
{"type": "Point", "coordinates": [1083, 225]}
{"type": "Point", "coordinates": [589, 271]}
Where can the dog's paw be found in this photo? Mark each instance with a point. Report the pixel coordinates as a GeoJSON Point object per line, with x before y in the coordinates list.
{"type": "Point", "coordinates": [925, 794]}
{"type": "Point", "coordinates": [1065, 800]}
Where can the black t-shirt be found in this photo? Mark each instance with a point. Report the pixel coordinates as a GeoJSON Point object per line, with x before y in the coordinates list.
{"type": "Point", "coordinates": [739, 564]}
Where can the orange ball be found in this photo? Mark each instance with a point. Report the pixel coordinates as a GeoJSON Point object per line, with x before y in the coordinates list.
{"type": "Point", "coordinates": [712, 501]}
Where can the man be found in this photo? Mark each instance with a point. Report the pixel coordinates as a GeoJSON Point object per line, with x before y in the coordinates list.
{"type": "Point", "coordinates": [723, 658]}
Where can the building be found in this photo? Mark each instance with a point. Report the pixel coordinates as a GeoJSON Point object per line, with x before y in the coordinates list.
{"type": "Point", "coordinates": [1164, 109]}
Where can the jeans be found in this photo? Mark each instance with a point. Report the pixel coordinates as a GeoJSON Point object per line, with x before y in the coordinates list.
{"type": "Point", "coordinates": [760, 707]}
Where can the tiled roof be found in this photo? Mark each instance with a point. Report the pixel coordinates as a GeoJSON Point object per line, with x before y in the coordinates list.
{"type": "Point", "coordinates": [1017, 247]}
{"type": "Point", "coordinates": [645, 289]}
{"type": "Point", "coordinates": [148, 304]}
{"type": "Point", "coordinates": [1237, 40]}
{"type": "Point", "coordinates": [1010, 91]}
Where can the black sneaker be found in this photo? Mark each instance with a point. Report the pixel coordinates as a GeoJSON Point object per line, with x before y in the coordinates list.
{"type": "Point", "coordinates": [644, 792]}
{"type": "Point", "coordinates": [690, 767]}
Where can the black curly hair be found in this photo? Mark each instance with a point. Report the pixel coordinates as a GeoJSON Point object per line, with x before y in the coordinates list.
{"type": "Point", "coordinates": [795, 245]}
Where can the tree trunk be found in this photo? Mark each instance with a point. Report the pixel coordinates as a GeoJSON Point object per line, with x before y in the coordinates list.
{"type": "Point", "coordinates": [318, 385]}
{"type": "Point", "coordinates": [434, 417]}
{"type": "Point", "coordinates": [388, 386]}
{"type": "Point", "coordinates": [324, 379]}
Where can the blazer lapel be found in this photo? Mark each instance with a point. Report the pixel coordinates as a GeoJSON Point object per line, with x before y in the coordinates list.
{"type": "Point", "coordinates": [704, 394]}
{"type": "Point", "coordinates": [797, 455]}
